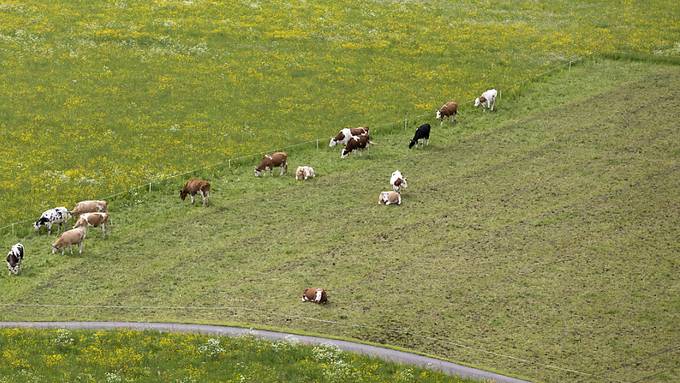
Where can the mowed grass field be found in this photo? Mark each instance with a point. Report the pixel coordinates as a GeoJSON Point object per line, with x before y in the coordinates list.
{"type": "Point", "coordinates": [132, 356]}
{"type": "Point", "coordinates": [97, 97]}
{"type": "Point", "coordinates": [540, 240]}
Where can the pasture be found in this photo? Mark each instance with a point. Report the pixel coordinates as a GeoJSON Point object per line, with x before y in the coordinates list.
{"type": "Point", "coordinates": [98, 97]}
{"type": "Point", "coordinates": [540, 240]}
{"type": "Point", "coordinates": [131, 356]}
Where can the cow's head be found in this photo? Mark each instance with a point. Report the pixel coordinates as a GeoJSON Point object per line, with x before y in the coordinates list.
{"type": "Point", "coordinates": [39, 223]}
{"type": "Point", "coordinates": [332, 143]}
{"type": "Point", "coordinates": [439, 115]}
{"type": "Point", "coordinates": [183, 194]}
{"type": "Point", "coordinates": [258, 172]}
{"type": "Point", "coordinates": [477, 102]}
{"type": "Point", "coordinates": [54, 248]}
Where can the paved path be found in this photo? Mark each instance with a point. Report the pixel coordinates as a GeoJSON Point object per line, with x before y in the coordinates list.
{"type": "Point", "coordinates": [379, 352]}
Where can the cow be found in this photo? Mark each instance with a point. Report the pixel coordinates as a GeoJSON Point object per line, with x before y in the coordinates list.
{"type": "Point", "coordinates": [92, 206]}
{"type": "Point", "coordinates": [487, 100]}
{"type": "Point", "coordinates": [316, 295]}
{"type": "Point", "coordinates": [14, 258]}
{"type": "Point", "coordinates": [346, 134]}
{"type": "Point", "coordinates": [422, 133]}
{"type": "Point", "coordinates": [304, 172]}
{"type": "Point", "coordinates": [450, 110]}
{"type": "Point", "coordinates": [358, 143]}
{"type": "Point", "coordinates": [69, 238]}
{"type": "Point", "coordinates": [269, 162]}
{"type": "Point", "coordinates": [398, 181]}
{"type": "Point", "coordinates": [94, 220]}
{"type": "Point", "coordinates": [389, 198]}
{"type": "Point", "coordinates": [58, 215]}
{"type": "Point", "coordinates": [196, 186]}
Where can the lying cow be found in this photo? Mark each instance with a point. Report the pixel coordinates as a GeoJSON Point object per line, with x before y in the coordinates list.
{"type": "Point", "coordinates": [389, 198]}
{"type": "Point", "coordinates": [304, 172]}
{"type": "Point", "coordinates": [398, 181]}
{"type": "Point", "coordinates": [422, 133]}
{"type": "Point", "coordinates": [487, 100]}
{"type": "Point", "coordinates": [14, 258]}
{"type": "Point", "coordinates": [94, 220]}
{"type": "Point", "coordinates": [346, 134]}
{"type": "Point", "coordinates": [269, 162]}
{"type": "Point", "coordinates": [70, 238]}
{"type": "Point", "coordinates": [448, 110]}
{"type": "Point", "coordinates": [316, 295]}
{"type": "Point", "coordinates": [58, 215]}
{"type": "Point", "coordinates": [358, 143]}
{"type": "Point", "coordinates": [92, 206]}
{"type": "Point", "coordinates": [193, 187]}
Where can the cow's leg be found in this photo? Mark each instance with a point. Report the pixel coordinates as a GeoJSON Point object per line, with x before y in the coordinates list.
{"type": "Point", "coordinates": [104, 229]}
{"type": "Point", "coordinates": [49, 228]}
{"type": "Point", "coordinates": [80, 248]}
{"type": "Point", "coordinates": [192, 199]}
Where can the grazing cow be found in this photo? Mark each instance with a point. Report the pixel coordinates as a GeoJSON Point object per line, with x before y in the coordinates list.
{"type": "Point", "coordinates": [316, 295]}
{"type": "Point", "coordinates": [422, 133]}
{"type": "Point", "coordinates": [304, 172]}
{"type": "Point", "coordinates": [93, 206]}
{"type": "Point", "coordinates": [487, 100]}
{"type": "Point", "coordinates": [58, 215]}
{"type": "Point", "coordinates": [358, 143]}
{"type": "Point", "coordinates": [193, 187]}
{"type": "Point", "coordinates": [389, 198]}
{"type": "Point", "coordinates": [398, 182]}
{"type": "Point", "coordinates": [346, 134]}
{"type": "Point", "coordinates": [69, 238]}
{"type": "Point", "coordinates": [14, 258]}
{"type": "Point", "coordinates": [94, 220]}
{"type": "Point", "coordinates": [450, 109]}
{"type": "Point", "coordinates": [269, 162]}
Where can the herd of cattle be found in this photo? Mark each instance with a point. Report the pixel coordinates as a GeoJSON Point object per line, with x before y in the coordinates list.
{"type": "Point", "coordinates": [94, 213]}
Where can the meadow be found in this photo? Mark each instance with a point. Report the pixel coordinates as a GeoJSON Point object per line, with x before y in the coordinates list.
{"type": "Point", "coordinates": [127, 356]}
{"type": "Point", "coordinates": [97, 97]}
{"type": "Point", "coordinates": [539, 241]}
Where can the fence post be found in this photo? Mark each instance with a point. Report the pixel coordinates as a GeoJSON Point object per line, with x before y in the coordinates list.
{"type": "Point", "coordinates": [317, 144]}
{"type": "Point", "coordinates": [149, 187]}
{"type": "Point", "coordinates": [230, 163]}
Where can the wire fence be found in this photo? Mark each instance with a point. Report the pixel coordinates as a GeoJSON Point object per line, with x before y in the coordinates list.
{"type": "Point", "coordinates": [228, 163]}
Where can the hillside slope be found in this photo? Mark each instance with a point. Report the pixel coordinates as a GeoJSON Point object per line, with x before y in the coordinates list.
{"type": "Point", "coordinates": [540, 240]}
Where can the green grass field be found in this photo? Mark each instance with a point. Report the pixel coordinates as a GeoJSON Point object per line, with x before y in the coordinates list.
{"type": "Point", "coordinates": [97, 97]}
{"type": "Point", "coordinates": [130, 356]}
{"type": "Point", "coordinates": [540, 241]}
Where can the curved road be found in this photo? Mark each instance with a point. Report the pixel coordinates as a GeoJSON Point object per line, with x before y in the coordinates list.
{"type": "Point", "coordinates": [378, 352]}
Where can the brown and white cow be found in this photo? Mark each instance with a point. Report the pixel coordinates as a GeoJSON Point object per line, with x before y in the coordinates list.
{"type": "Point", "coordinates": [487, 100]}
{"type": "Point", "coordinates": [196, 186]}
{"type": "Point", "coordinates": [94, 220]}
{"type": "Point", "coordinates": [398, 181]}
{"type": "Point", "coordinates": [92, 206]}
{"type": "Point", "coordinates": [450, 109]}
{"type": "Point", "coordinates": [358, 143]}
{"type": "Point", "coordinates": [346, 134]}
{"type": "Point", "coordinates": [389, 198]}
{"type": "Point", "coordinates": [269, 162]}
{"type": "Point", "coordinates": [70, 238]}
{"type": "Point", "coordinates": [316, 295]}
{"type": "Point", "coordinates": [304, 172]}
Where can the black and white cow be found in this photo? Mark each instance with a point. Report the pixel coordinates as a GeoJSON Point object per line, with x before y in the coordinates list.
{"type": "Point", "coordinates": [422, 133]}
{"type": "Point", "coordinates": [58, 215]}
{"type": "Point", "coordinates": [14, 258]}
